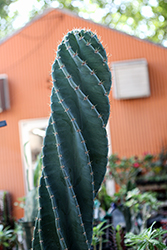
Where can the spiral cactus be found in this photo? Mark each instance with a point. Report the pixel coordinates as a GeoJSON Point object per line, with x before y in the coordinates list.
{"type": "Point", "coordinates": [75, 146]}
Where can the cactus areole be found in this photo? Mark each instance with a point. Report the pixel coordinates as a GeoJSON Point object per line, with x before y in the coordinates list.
{"type": "Point", "coordinates": [75, 146]}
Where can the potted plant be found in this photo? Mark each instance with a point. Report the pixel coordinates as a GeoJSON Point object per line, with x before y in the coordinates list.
{"type": "Point", "coordinates": [75, 146]}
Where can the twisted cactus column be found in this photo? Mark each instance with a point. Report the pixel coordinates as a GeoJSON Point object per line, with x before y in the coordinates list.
{"type": "Point", "coordinates": [75, 146]}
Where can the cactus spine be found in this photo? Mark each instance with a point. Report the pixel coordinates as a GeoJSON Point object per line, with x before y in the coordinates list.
{"type": "Point", "coordinates": [75, 146]}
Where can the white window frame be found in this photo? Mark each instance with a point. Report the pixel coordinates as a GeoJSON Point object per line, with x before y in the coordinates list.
{"type": "Point", "coordinates": [24, 127]}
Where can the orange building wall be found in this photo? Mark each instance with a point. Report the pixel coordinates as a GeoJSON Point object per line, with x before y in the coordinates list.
{"type": "Point", "coordinates": [26, 57]}
{"type": "Point", "coordinates": [142, 123]}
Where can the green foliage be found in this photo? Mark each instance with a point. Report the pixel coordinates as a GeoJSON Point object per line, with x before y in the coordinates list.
{"type": "Point", "coordinates": [5, 208]}
{"type": "Point", "coordinates": [129, 199]}
{"type": "Point", "coordinates": [30, 205]}
{"type": "Point", "coordinates": [123, 169]}
{"type": "Point", "coordinates": [153, 167]}
{"type": "Point", "coordinates": [98, 232]}
{"type": "Point", "coordinates": [144, 203]}
{"type": "Point", "coordinates": [135, 199]}
{"type": "Point", "coordinates": [7, 236]}
{"type": "Point", "coordinates": [148, 167]}
{"type": "Point", "coordinates": [30, 202]}
{"type": "Point", "coordinates": [75, 146]}
{"type": "Point", "coordinates": [145, 19]}
{"type": "Point", "coordinates": [104, 198]}
{"type": "Point", "coordinates": [136, 206]}
{"type": "Point", "coordinates": [37, 170]}
{"type": "Point", "coordinates": [67, 4]}
{"type": "Point", "coordinates": [118, 237]}
{"type": "Point", "coordinates": [148, 239]}
{"type": "Point", "coordinates": [6, 20]}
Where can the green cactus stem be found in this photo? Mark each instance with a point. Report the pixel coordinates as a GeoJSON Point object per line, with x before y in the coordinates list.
{"type": "Point", "coordinates": [75, 146]}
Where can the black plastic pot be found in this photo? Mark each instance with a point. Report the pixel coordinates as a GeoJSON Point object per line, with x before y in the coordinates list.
{"type": "Point", "coordinates": [27, 227]}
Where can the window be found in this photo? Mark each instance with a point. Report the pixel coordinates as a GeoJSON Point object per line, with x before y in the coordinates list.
{"type": "Point", "coordinates": [4, 93]}
{"type": "Point", "coordinates": [130, 79]}
{"type": "Point", "coordinates": [32, 133]}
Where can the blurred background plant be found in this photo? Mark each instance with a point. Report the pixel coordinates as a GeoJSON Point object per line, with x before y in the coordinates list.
{"type": "Point", "coordinates": [154, 167]}
{"type": "Point", "coordinates": [145, 19]}
{"type": "Point", "coordinates": [123, 169]}
{"type": "Point", "coordinates": [132, 208]}
{"type": "Point", "coordinates": [142, 207]}
{"type": "Point", "coordinates": [128, 218]}
{"type": "Point", "coordinates": [106, 237]}
{"type": "Point", "coordinates": [138, 169]}
{"type": "Point", "coordinates": [147, 239]}
{"type": "Point", "coordinates": [30, 202]}
{"type": "Point", "coordinates": [98, 233]}
{"type": "Point", "coordinates": [9, 237]}
{"type": "Point", "coordinates": [8, 226]}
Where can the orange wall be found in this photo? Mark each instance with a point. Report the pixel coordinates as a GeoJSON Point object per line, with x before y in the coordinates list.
{"type": "Point", "coordinates": [26, 57]}
{"type": "Point", "coordinates": [140, 125]}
